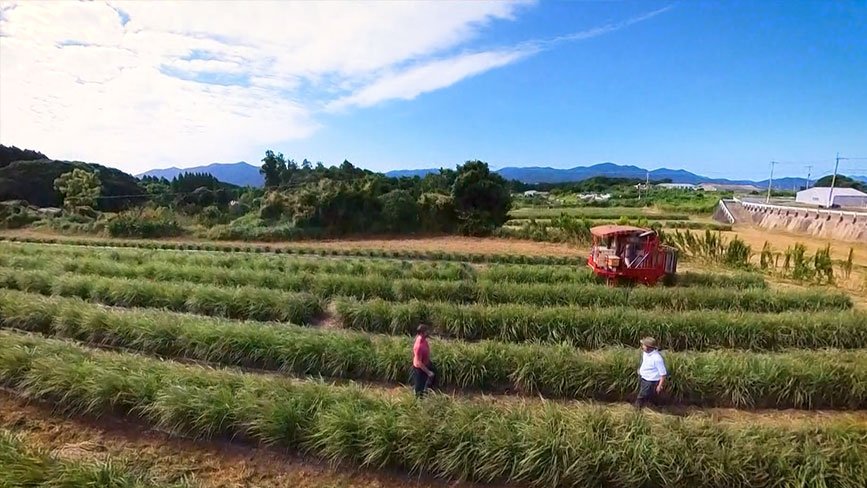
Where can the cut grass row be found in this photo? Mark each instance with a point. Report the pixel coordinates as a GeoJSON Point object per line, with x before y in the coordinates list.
{"type": "Point", "coordinates": [593, 328]}
{"type": "Point", "coordinates": [23, 465]}
{"type": "Point", "coordinates": [486, 292]}
{"type": "Point", "coordinates": [314, 251]}
{"type": "Point", "coordinates": [32, 257]}
{"type": "Point", "coordinates": [231, 302]}
{"type": "Point", "coordinates": [795, 379]}
{"type": "Point", "coordinates": [536, 444]}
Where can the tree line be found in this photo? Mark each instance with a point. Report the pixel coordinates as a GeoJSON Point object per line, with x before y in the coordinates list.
{"type": "Point", "coordinates": [345, 199]}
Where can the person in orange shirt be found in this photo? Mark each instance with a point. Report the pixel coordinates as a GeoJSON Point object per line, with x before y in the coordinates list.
{"type": "Point", "coordinates": [423, 370]}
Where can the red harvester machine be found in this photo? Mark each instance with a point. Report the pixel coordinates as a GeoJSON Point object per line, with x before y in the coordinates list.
{"type": "Point", "coordinates": [624, 252]}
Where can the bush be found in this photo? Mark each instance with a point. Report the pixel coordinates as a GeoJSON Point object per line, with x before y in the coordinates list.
{"type": "Point", "coordinates": [211, 216]}
{"type": "Point", "coordinates": [147, 223]}
{"type": "Point", "coordinates": [15, 215]}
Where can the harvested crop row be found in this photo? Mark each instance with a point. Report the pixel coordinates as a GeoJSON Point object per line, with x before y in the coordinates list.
{"type": "Point", "coordinates": [599, 327]}
{"type": "Point", "coordinates": [24, 465]}
{"type": "Point", "coordinates": [826, 379]}
{"type": "Point", "coordinates": [485, 292]}
{"type": "Point", "coordinates": [316, 251]}
{"type": "Point", "coordinates": [540, 445]}
{"type": "Point", "coordinates": [236, 302]}
{"type": "Point", "coordinates": [32, 257]}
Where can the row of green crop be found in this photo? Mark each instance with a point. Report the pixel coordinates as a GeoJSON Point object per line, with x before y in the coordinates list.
{"type": "Point", "coordinates": [446, 270]}
{"type": "Point", "coordinates": [545, 445]}
{"type": "Point", "coordinates": [346, 266]}
{"type": "Point", "coordinates": [487, 292]}
{"type": "Point", "coordinates": [232, 302]}
{"type": "Point", "coordinates": [25, 465]}
{"type": "Point", "coordinates": [598, 327]}
{"type": "Point", "coordinates": [311, 250]}
{"type": "Point", "coordinates": [799, 379]}
{"type": "Point", "coordinates": [535, 444]}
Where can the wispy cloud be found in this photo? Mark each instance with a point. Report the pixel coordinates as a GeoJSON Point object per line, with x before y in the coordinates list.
{"type": "Point", "coordinates": [138, 84]}
{"type": "Point", "coordinates": [435, 74]}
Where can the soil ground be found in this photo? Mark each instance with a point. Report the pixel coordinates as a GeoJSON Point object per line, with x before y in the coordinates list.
{"type": "Point", "coordinates": [209, 463]}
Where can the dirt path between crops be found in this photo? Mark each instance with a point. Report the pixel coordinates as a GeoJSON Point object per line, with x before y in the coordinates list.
{"type": "Point", "coordinates": [210, 463]}
{"type": "Point", "coordinates": [448, 244]}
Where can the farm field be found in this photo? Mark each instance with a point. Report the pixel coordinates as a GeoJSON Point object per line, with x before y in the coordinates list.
{"type": "Point", "coordinates": [240, 360]}
{"type": "Point", "coordinates": [444, 244]}
{"type": "Point", "coordinates": [611, 213]}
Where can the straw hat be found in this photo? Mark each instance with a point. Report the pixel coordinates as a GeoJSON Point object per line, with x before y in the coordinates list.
{"type": "Point", "coordinates": [649, 342]}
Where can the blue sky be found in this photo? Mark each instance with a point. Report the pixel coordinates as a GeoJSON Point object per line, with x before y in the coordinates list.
{"type": "Point", "coordinates": [717, 88]}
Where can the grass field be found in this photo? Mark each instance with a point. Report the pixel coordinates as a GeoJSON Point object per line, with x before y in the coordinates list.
{"type": "Point", "coordinates": [308, 352]}
{"type": "Point", "coordinates": [609, 213]}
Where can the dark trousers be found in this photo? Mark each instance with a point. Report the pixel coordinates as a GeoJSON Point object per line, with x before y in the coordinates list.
{"type": "Point", "coordinates": [421, 381]}
{"type": "Point", "coordinates": [646, 392]}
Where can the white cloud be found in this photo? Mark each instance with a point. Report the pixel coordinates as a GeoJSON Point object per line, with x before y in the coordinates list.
{"type": "Point", "coordinates": [144, 84]}
{"type": "Point", "coordinates": [426, 77]}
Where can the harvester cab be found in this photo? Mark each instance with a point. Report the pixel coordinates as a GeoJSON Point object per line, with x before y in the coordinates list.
{"type": "Point", "coordinates": [624, 252]}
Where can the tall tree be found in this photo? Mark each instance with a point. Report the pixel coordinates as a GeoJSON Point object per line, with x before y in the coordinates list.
{"type": "Point", "coordinates": [80, 189]}
{"type": "Point", "coordinates": [273, 168]}
{"type": "Point", "coordinates": [482, 199]}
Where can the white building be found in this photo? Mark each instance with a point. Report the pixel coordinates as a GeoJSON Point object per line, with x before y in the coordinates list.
{"type": "Point", "coordinates": [535, 193]}
{"type": "Point", "coordinates": [843, 197]}
{"type": "Point", "coordinates": [676, 186]}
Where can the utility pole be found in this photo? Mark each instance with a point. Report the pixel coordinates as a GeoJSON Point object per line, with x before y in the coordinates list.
{"type": "Point", "coordinates": [647, 184]}
{"type": "Point", "coordinates": [833, 181]}
{"type": "Point", "coordinates": [770, 182]}
{"type": "Point", "coordinates": [809, 173]}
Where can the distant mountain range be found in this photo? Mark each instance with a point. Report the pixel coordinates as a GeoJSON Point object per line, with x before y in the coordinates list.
{"type": "Point", "coordinates": [244, 174]}
{"type": "Point", "coordinates": [240, 173]}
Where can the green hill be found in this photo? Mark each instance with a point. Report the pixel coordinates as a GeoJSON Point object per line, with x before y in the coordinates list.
{"type": "Point", "coordinates": [33, 181]}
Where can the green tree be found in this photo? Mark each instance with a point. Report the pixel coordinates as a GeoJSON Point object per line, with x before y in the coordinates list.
{"type": "Point", "coordinates": [842, 181]}
{"type": "Point", "coordinates": [80, 189]}
{"type": "Point", "coordinates": [273, 168]}
{"type": "Point", "coordinates": [400, 211]}
{"type": "Point", "coordinates": [159, 191]}
{"type": "Point", "coordinates": [482, 199]}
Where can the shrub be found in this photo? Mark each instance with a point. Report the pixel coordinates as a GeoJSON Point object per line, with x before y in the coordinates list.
{"type": "Point", "coordinates": [144, 223]}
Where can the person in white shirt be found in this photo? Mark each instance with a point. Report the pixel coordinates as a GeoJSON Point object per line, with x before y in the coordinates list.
{"type": "Point", "coordinates": [651, 373]}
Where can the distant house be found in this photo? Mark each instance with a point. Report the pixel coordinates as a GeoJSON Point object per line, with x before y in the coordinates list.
{"type": "Point", "coordinates": [708, 187]}
{"type": "Point", "coordinates": [594, 197]}
{"type": "Point", "coordinates": [840, 197]}
{"type": "Point", "coordinates": [535, 193]}
{"type": "Point", "coordinates": [676, 186]}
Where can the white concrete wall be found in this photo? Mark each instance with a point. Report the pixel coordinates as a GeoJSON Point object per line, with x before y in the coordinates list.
{"type": "Point", "coordinates": [850, 201]}
{"type": "Point", "coordinates": [813, 196]}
